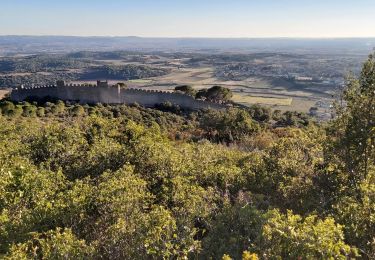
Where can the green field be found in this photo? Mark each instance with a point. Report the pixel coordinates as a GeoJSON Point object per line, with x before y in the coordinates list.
{"type": "Point", "coordinates": [140, 81]}
{"type": "Point", "coordinates": [249, 100]}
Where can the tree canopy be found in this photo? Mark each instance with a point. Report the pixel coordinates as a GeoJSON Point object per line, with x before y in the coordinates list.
{"type": "Point", "coordinates": [188, 90]}
{"type": "Point", "coordinates": [215, 94]}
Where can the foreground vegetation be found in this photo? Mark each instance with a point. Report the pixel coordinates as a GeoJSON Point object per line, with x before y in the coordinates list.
{"type": "Point", "coordinates": [118, 182]}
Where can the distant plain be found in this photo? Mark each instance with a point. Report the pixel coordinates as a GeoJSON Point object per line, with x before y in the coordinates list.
{"type": "Point", "coordinates": [258, 71]}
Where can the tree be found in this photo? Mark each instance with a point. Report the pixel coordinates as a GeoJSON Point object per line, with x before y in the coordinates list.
{"type": "Point", "coordinates": [357, 217]}
{"type": "Point", "coordinates": [228, 126]}
{"type": "Point", "coordinates": [274, 235]}
{"type": "Point", "coordinates": [215, 94]}
{"type": "Point", "coordinates": [40, 112]}
{"type": "Point", "coordinates": [235, 229]}
{"type": "Point", "coordinates": [78, 111]}
{"type": "Point", "coordinates": [260, 114]}
{"type": "Point", "coordinates": [289, 168]}
{"type": "Point", "coordinates": [58, 108]}
{"type": "Point", "coordinates": [55, 244]}
{"type": "Point", "coordinates": [6, 107]}
{"type": "Point", "coordinates": [353, 132]}
{"type": "Point", "coordinates": [350, 160]}
{"type": "Point", "coordinates": [29, 110]}
{"type": "Point", "coordinates": [188, 90]}
{"type": "Point", "coordinates": [10, 109]}
{"type": "Point", "coordinates": [293, 237]}
{"type": "Point", "coordinates": [293, 118]}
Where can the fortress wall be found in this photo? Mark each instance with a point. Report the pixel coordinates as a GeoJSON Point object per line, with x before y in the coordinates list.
{"type": "Point", "coordinates": [149, 98]}
{"type": "Point", "coordinates": [111, 95]}
{"type": "Point", "coordinates": [91, 95]}
{"type": "Point", "coordinates": [39, 92]}
{"type": "Point", "coordinates": [83, 94]}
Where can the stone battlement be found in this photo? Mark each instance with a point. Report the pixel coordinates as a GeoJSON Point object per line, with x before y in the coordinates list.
{"type": "Point", "coordinates": [102, 84]}
{"type": "Point", "coordinates": [102, 92]}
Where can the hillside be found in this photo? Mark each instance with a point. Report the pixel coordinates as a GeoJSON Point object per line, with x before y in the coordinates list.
{"type": "Point", "coordinates": [127, 182]}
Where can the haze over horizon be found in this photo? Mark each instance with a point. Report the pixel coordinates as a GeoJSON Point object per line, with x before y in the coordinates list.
{"type": "Point", "coordinates": [190, 19]}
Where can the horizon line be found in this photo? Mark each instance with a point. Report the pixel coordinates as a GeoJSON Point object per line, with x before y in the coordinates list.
{"type": "Point", "coordinates": [191, 37]}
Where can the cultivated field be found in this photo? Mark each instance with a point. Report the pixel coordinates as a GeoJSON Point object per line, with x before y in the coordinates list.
{"type": "Point", "coordinates": [276, 94]}
{"type": "Point", "coordinates": [249, 100]}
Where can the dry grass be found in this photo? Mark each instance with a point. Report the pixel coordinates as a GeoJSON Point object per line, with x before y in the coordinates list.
{"type": "Point", "coordinates": [248, 100]}
{"type": "Point", "coordinates": [254, 90]}
{"type": "Point", "coordinates": [3, 93]}
{"type": "Point", "coordinates": [192, 76]}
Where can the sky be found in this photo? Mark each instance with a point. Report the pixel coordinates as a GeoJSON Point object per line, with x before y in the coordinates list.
{"type": "Point", "coordinates": [189, 18]}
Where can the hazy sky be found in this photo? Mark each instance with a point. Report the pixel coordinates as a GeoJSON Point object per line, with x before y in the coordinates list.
{"type": "Point", "coordinates": [189, 18]}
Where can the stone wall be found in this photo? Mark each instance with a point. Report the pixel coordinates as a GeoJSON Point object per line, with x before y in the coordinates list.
{"type": "Point", "coordinates": [150, 98]}
{"type": "Point", "coordinates": [80, 93]}
{"type": "Point", "coordinates": [88, 94]}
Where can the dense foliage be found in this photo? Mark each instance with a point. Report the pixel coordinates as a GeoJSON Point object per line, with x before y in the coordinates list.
{"type": "Point", "coordinates": [186, 89]}
{"type": "Point", "coordinates": [215, 94]}
{"type": "Point", "coordinates": [47, 69]}
{"type": "Point", "coordinates": [118, 182]}
{"type": "Point", "coordinates": [124, 72]}
{"type": "Point", "coordinates": [36, 63]}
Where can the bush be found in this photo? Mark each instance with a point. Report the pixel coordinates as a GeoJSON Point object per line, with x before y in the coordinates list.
{"type": "Point", "coordinates": [58, 244]}
{"type": "Point", "coordinates": [29, 110]}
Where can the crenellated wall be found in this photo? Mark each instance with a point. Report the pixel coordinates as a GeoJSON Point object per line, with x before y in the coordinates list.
{"type": "Point", "coordinates": [150, 98]}
{"type": "Point", "coordinates": [81, 93]}
{"type": "Point", "coordinates": [89, 94]}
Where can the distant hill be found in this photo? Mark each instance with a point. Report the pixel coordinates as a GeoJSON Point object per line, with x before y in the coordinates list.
{"type": "Point", "coordinates": [62, 44]}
